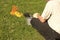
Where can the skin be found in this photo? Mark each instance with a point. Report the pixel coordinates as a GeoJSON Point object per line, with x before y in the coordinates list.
{"type": "Point", "coordinates": [41, 18]}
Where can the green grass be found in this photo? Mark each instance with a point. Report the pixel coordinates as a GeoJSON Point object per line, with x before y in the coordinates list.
{"type": "Point", "coordinates": [13, 28]}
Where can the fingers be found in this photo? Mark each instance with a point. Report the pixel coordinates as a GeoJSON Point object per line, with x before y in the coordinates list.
{"type": "Point", "coordinates": [35, 15]}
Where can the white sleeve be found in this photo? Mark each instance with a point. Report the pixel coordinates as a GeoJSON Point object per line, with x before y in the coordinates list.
{"type": "Point", "coordinates": [47, 11]}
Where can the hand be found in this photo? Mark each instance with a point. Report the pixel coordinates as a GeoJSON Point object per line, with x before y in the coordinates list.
{"type": "Point", "coordinates": [36, 15]}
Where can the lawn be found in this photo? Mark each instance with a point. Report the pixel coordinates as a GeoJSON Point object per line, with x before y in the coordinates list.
{"type": "Point", "coordinates": [14, 28]}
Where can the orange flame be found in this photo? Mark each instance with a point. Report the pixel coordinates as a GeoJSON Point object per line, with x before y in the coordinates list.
{"type": "Point", "coordinates": [14, 9]}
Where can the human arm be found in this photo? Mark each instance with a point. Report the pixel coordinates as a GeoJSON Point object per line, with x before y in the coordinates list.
{"type": "Point", "coordinates": [46, 13]}
{"type": "Point", "coordinates": [41, 19]}
{"type": "Point", "coordinates": [36, 15]}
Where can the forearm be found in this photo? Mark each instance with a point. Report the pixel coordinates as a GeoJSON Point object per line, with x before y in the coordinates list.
{"type": "Point", "coordinates": [36, 15]}
{"type": "Point", "coordinates": [41, 19]}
